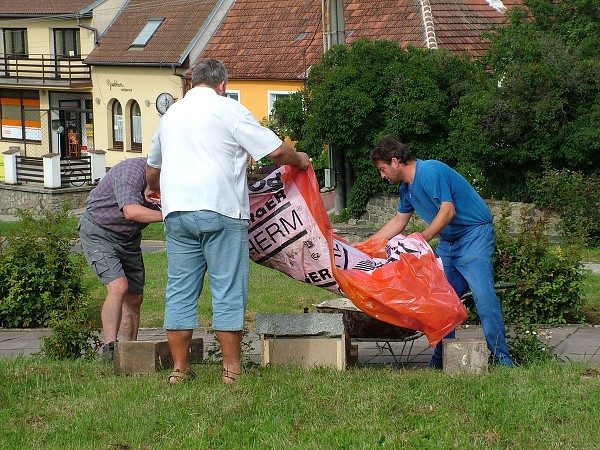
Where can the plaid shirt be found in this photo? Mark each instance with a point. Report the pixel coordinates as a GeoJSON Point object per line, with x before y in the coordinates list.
{"type": "Point", "coordinates": [123, 185]}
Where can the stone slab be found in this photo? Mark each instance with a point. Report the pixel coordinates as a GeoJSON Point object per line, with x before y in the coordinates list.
{"type": "Point", "coordinates": [304, 324]}
{"type": "Point", "coordinates": [465, 356]}
{"type": "Point", "coordinates": [150, 356]}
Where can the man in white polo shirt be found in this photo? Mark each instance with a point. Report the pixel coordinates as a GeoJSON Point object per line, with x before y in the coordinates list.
{"type": "Point", "coordinates": [197, 163]}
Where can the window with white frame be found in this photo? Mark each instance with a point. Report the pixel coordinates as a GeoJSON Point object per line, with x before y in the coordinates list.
{"type": "Point", "coordinates": [15, 42]}
{"type": "Point", "coordinates": [276, 95]}
{"type": "Point", "coordinates": [117, 123]}
{"type": "Point", "coordinates": [20, 115]}
{"type": "Point", "coordinates": [66, 42]}
{"type": "Point", "coordinates": [233, 94]}
{"type": "Point", "coordinates": [136, 127]}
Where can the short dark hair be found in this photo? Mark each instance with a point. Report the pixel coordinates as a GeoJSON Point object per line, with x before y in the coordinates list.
{"type": "Point", "coordinates": [390, 147]}
{"type": "Point", "coordinates": [210, 72]}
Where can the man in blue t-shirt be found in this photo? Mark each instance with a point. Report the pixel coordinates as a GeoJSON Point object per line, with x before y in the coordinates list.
{"type": "Point", "coordinates": [462, 220]}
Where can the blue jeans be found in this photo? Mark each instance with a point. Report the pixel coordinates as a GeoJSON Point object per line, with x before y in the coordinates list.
{"type": "Point", "coordinates": [468, 265]}
{"type": "Point", "coordinates": [201, 241]}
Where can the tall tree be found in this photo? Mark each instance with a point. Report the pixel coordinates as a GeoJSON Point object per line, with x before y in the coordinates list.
{"type": "Point", "coordinates": [543, 109]}
{"type": "Point", "coordinates": [356, 95]}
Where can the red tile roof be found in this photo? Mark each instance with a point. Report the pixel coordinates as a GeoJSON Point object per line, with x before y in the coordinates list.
{"type": "Point", "coordinates": [183, 21]}
{"type": "Point", "coordinates": [42, 7]}
{"type": "Point", "coordinates": [262, 39]}
{"type": "Point", "coordinates": [273, 39]}
{"type": "Point", "coordinates": [459, 24]}
{"type": "Point", "coordinates": [399, 21]}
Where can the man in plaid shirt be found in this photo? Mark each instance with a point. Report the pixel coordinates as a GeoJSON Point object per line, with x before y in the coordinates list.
{"type": "Point", "coordinates": [110, 231]}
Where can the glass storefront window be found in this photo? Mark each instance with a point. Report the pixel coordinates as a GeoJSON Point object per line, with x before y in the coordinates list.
{"type": "Point", "coordinates": [20, 115]}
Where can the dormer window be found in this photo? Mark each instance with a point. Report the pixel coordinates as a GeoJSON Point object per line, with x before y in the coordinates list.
{"type": "Point", "coordinates": [142, 39]}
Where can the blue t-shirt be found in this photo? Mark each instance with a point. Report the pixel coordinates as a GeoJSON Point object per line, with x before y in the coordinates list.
{"type": "Point", "coordinates": [435, 183]}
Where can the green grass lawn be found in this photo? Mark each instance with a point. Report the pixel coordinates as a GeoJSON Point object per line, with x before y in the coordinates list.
{"type": "Point", "coordinates": [270, 291]}
{"type": "Point", "coordinates": [154, 232]}
{"type": "Point", "coordinates": [83, 405]}
{"type": "Point", "coordinates": [591, 255]}
{"type": "Point", "coordinates": [5, 226]}
{"type": "Point", "coordinates": [591, 295]}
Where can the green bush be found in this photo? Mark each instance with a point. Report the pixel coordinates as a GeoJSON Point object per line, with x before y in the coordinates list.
{"type": "Point", "coordinates": [541, 107]}
{"type": "Point", "coordinates": [73, 336]}
{"type": "Point", "coordinates": [575, 197]}
{"type": "Point", "coordinates": [356, 95]}
{"type": "Point", "coordinates": [548, 277]}
{"type": "Point", "coordinates": [40, 278]}
{"type": "Point", "coordinates": [529, 346]}
{"type": "Point", "coordinates": [342, 217]}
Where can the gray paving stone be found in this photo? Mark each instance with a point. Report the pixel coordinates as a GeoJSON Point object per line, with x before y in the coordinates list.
{"type": "Point", "coordinates": [575, 343]}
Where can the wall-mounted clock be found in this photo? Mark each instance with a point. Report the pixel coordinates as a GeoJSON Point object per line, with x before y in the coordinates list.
{"type": "Point", "coordinates": [163, 101]}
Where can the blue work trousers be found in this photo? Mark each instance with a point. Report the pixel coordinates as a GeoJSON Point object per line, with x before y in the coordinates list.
{"type": "Point", "coordinates": [468, 266]}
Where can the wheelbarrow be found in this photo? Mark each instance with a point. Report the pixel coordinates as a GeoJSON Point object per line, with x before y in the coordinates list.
{"type": "Point", "coordinates": [361, 327]}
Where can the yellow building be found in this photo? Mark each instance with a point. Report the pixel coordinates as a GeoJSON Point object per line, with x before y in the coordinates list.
{"type": "Point", "coordinates": [139, 65]}
{"type": "Point", "coordinates": [45, 88]}
{"type": "Point", "coordinates": [125, 105]}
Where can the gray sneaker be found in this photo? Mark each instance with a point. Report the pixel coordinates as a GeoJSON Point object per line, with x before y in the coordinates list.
{"type": "Point", "coordinates": [108, 351]}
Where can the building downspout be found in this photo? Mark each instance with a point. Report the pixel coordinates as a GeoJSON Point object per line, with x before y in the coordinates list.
{"type": "Point", "coordinates": [87, 27]}
{"type": "Point", "coordinates": [184, 85]}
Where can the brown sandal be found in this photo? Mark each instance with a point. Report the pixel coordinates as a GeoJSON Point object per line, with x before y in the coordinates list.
{"type": "Point", "coordinates": [177, 376]}
{"type": "Point", "coordinates": [229, 376]}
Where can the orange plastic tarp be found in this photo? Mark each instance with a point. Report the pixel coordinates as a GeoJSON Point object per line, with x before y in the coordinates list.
{"type": "Point", "coordinates": [400, 281]}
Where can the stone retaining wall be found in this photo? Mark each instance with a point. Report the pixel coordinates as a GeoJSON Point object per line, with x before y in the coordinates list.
{"type": "Point", "coordinates": [382, 208]}
{"type": "Point", "coordinates": [37, 198]}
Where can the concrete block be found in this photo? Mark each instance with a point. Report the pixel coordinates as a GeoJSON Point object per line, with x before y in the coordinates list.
{"type": "Point", "coordinates": [309, 340]}
{"type": "Point", "coordinates": [465, 356]}
{"type": "Point", "coordinates": [150, 356]}
{"type": "Point", "coordinates": [309, 352]}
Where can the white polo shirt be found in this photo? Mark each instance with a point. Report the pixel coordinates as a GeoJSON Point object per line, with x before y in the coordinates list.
{"type": "Point", "coordinates": [201, 146]}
